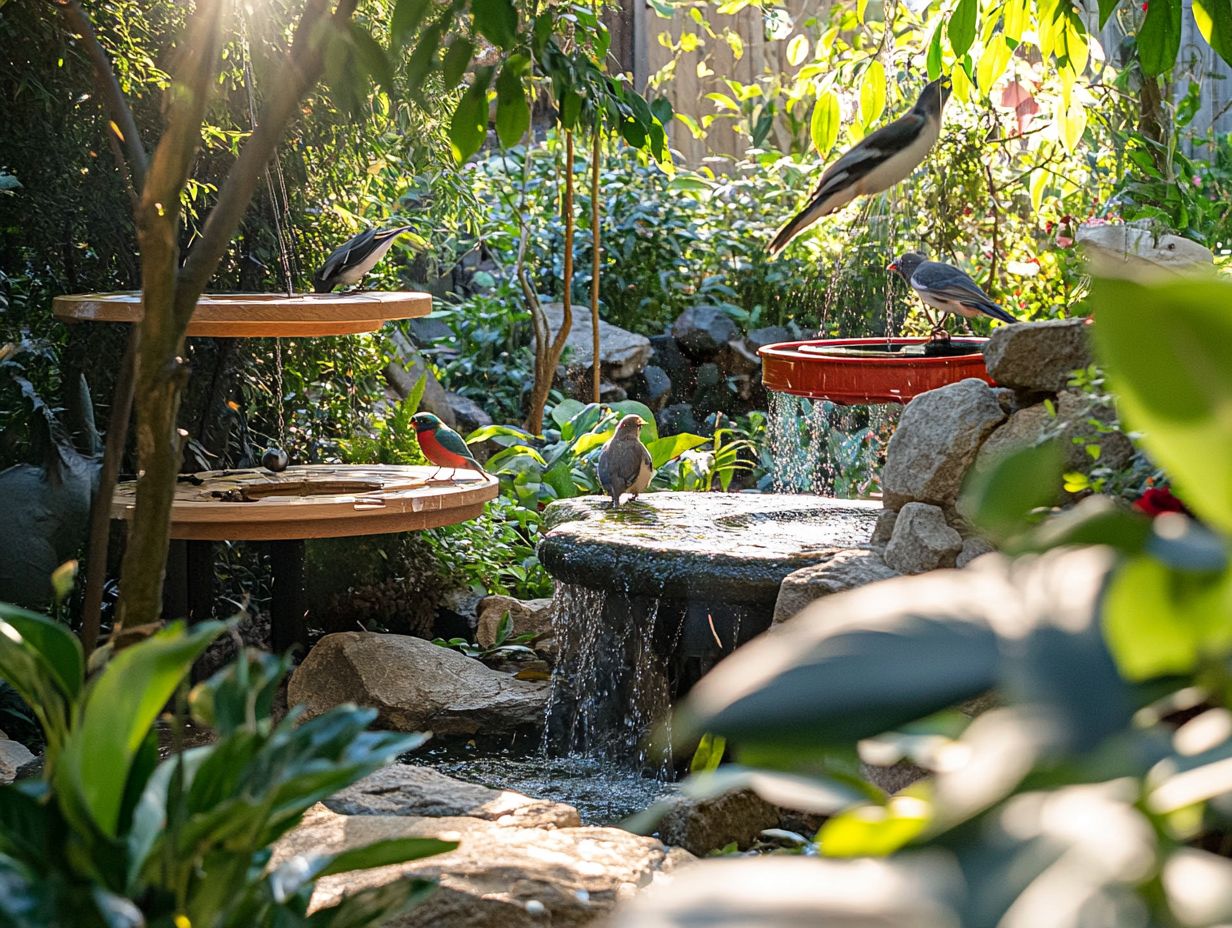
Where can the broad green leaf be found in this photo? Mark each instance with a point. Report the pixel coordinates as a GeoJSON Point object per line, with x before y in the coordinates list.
{"type": "Point", "coordinates": [960, 82]}
{"type": "Point", "coordinates": [1015, 20]}
{"type": "Point", "coordinates": [797, 50]}
{"type": "Point", "coordinates": [709, 754]}
{"type": "Point", "coordinates": [384, 853]}
{"type": "Point", "coordinates": [874, 830]}
{"type": "Point", "coordinates": [1071, 123]}
{"type": "Point", "coordinates": [407, 16]}
{"type": "Point", "coordinates": [1214, 21]}
{"type": "Point", "coordinates": [933, 61]}
{"type": "Point", "coordinates": [501, 434]}
{"type": "Point", "coordinates": [1159, 37]}
{"type": "Point", "coordinates": [565, 410]}
{"type": "Point", "coordinates": [961, 28]}
{"type": "Point", "coordinates": [592, 440]}
{"type": "Point", "coordinates": [666, 449]}
{"type": "Point", "coordinates": [992, 63]}
{"type": "Point", "coordinates": [872, 93]}
{"type": "Point", "coordinates": [824, 125]}
{"type": "Point", "coordinates": [999, 498]}
{"type": "Point", "coordinates": [512, 108]}
{"type": "Point", "coordinates": [496, 20]}
{"type": "Point", "coordinates": [650, 430]}
{"type": "Point", "coordinates": [373, 905]}
{"type": "Point", "coordinates": [456, 59]}
{"type": "Point", "coordinates": [373, 57]}
{"type": "Point", "coordinates": [1159, 621]}
{"type": "Point", "coordinates": [423, 58]}
{"type": "Point", "coordinates": [57, 649]}
{"type": "Point", "coordinates": [119, 707]}
{"type": "Point", "coordinates": [1167, 348]}
{"type": "Point", "coordinates": [1106, 9]}
{"type": "Point", "coordinates": [469, 125]}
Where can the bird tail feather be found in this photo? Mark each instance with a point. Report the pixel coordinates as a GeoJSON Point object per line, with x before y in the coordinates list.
{"type": "Point", "coordinates": [817, 207]}
{"type": "Point", "coordinates": [992, 309]}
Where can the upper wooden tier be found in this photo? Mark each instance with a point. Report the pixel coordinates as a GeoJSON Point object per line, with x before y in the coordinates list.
{"type": "Point", "coordinates": [260, 315]}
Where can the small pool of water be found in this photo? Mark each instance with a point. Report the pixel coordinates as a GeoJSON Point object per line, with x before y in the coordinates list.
{"type": "Point", "coordinates": [602, 793]}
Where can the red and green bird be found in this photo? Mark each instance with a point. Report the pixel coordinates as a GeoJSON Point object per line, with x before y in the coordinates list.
{"type": "Point", "coordinates": [442, 445]}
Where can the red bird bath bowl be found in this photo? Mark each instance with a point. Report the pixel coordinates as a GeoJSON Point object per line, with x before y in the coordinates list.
{"type": "Point", "coordinates": [852, 371]}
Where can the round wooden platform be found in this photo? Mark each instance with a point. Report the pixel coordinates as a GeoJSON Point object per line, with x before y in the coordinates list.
{"type": "Point", "coordinates": [317, 501]}
{"type": "Point", "coordinates": [259, 315]}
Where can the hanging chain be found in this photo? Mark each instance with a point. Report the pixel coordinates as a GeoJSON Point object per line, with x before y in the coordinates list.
{"type": "Point", "coordinates": [282, 422]}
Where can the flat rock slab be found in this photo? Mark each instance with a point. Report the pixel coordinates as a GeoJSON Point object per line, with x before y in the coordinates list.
{"type": "Point", "coordinates": [497, 876]}
{"type": "Point", "coordinates": [730, 547]}
{"type": "Point", "coordinates": [621, 353]}
{"type": "Point", "coordinates": [404, 790]}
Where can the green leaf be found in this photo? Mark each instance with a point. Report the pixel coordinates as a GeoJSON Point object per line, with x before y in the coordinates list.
{"type": "Point", "coordinates": [709, 754]}
{"type": "Point", "coordinates": [933, 61]}
{"type": "Point", "coordinates": [469, 125]}
{"type": "Point", "coordinates": [797, 50]}
{"type": "Point", "coordinates": [1106, 9]}
{"type": "Point", "coordinates": [56, 648]}
{"type": "Point", "coordinates": [961, 28]}
{"type": "Point", "coordinates": [512, 108]}
{"type": "Point", "coordinates": [456, 59]}
{"type": "Point", "coordinates": [671, 447]}
{"type": "Point", "coordinates": [373, 58]}
{"type": "Point", "coordinates": [1159, 38]}
{"type": "Point", "coordinates": [407, 16]}
{"type": "Point", "coordinates": [824, 125]}
{"type": "Point", "coordinates": [118, 709]}
{"type": "Point", "coordinates": [872, 93]}
{"type": "Point", "coordinates": [384, 853]}
{"type": "Point", "coordinates": [424, 57]}
{"type": "Point", "coordinates": [874, 830]}
{"type": "Point", "coordinates": [496, 20]}
{"type": "Point", "coordinates": [374, 905]}
{"type": "Point", "coordinates": [998, 499]}
{"type": "Point", "coordinates": [650, 430]}
{"type": "Point", "coordinates": [1160, 621]}
{"type": "Point", "coordinates": [1167, 349]}
{"type": "Point", "coordinates": [1214, 21]}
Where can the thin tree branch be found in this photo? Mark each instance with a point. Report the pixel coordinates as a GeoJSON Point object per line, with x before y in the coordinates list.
{"type": "Point", "coordinates": [305, 62]}
{"type": "Point", "coordinates": [595, 152]}
{"type": "Point", "coordinates": [107, 84]}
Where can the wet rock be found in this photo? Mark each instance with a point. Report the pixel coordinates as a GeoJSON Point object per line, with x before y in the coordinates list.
{"type": "Point", "coordinates": [972, 548]}
{"type": "Point", "coordinates": [1075, 411]}
{"type": "Point", "coordinates": [608, 392]}
{"type": "Point", "coordinates": [846, 570]}
{"type": "Point", "coordinates": [621, 353]}
{"type": "Point", "coordinates": [1038, 356]}
{"type": "Point", "coordinates": [13, 756]}
{"type": "Point", "coordinates": [502, 877]}
{"type": "Point", "coordinates": [666, 354]}
{"type": "Point", "coordinates": [677, 418]}
{"type": "Point", "coordinates": [652, 387]}
{"type": "Point", "coordinates": [922, 540]}
{"type": "Point", "coordinates": [936, 442]}
{"type": "Point", "coordinates": [739, 358]}
{"type": "Point", "coordinates": [704, 825]}
{"type": "Point", "coordinates": [731, 547]}
{"type": "Point", "coordinates": [467, 414]}
{"type": "Point", "coordinates": [401, 789]}
{"type": "Point", "coordinates": [702, 330]}
{"type": "Point", "coordinates": [429, 330]}
{"type": "Point", "coordinates": [532, 616]}
{"type": "Point", "coordinates": [414, 685]}
{"type": "Point", "coordinates": [768, 335]}
{"type": "Point", "coordinates": [884, 527]}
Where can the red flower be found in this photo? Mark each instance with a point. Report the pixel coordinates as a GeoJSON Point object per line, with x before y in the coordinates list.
{"type": "Point", "coordinates": [1158, 500]}
{"type": "Point", "coordinates": [1144, 6]}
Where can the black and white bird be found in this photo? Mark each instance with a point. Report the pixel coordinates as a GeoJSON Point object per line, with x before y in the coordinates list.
{"type": "Point", "coordinates": [624, 465]}
{"type": "Point", "coordinates": [946, 288]}
{"type": "Point", "coordinates": [875, 163]}
{"type": "Point", "coordinates": [352, 260]}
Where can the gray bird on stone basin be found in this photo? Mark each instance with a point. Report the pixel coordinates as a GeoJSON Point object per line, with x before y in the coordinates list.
{"type": "Point", "coordinates": [624, 464]}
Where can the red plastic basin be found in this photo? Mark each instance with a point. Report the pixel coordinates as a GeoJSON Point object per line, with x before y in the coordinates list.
{"type": "Point", "coordinates": [805, 369]}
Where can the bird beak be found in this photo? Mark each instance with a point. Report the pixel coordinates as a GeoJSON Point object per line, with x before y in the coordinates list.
{"type": "Point", "coordinates": [892, 266]}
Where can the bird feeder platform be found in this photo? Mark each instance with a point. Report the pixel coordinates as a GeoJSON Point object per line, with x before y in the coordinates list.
{"type": "Point", "coordinates": [317, 501]}
{"type": "Point", "coordinates": [260, 315]}
{"type": "Point", "coordinates": [285, 509]}
{"type": "Point", "coordinates": [856, 371]}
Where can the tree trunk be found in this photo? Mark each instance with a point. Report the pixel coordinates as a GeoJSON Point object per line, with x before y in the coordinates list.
{"type": "Point", "coordinates": [595, 152]}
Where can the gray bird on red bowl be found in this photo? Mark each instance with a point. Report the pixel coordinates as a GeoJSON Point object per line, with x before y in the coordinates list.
{"type": "Point", "coordinates": [943, 287]}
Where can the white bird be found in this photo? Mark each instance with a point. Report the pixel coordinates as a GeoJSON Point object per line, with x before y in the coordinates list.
{"type": "Point", "coordinates": [350, 261]}
{"type": "Point", "coordinates": [876, 163]}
